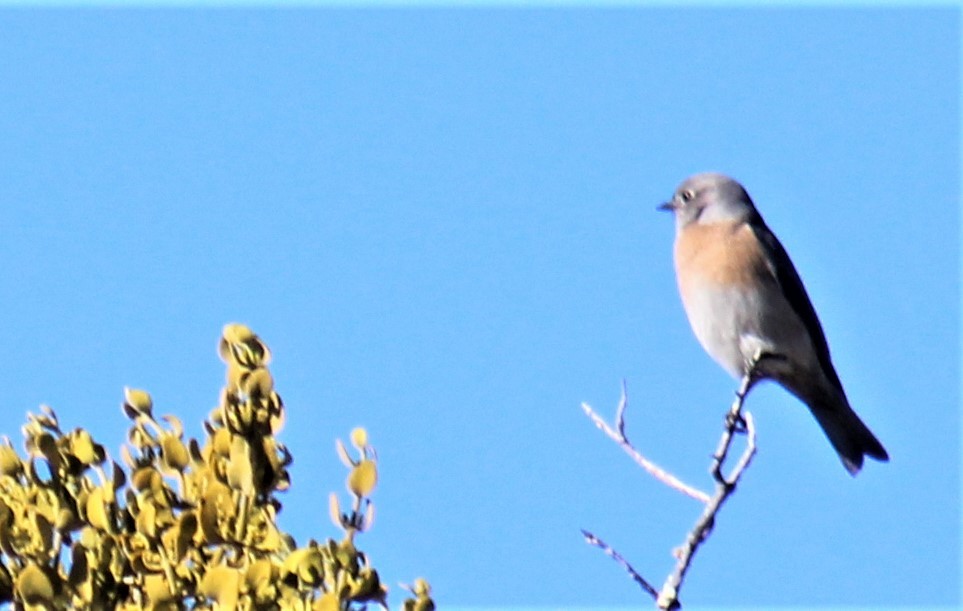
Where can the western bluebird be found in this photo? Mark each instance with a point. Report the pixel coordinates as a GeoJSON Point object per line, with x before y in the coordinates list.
{"type": "Point", "coordinates": [744, 298]}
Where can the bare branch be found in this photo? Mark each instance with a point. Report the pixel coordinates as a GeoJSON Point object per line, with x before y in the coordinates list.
{"type": "Point", "coordinates": [617, 434]}
{"type": "Point", "coordinates": [735, 423]}
{"type": "Point", "coordinates": [605, 547]}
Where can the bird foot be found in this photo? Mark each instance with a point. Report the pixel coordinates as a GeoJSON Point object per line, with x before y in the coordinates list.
{"type": "Point", "coordinates": [736, 422]}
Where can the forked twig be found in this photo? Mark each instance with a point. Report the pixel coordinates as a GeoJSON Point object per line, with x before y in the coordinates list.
{"type": "Point", "coordinates": [736, 422]}
{"type": "Point", "coordinates": [617, 434]}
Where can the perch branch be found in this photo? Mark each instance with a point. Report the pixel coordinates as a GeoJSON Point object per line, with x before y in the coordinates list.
{"type": "Point", "coordinates": [736, 422]}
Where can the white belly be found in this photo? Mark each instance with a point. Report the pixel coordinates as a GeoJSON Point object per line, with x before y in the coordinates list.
{"type": "Point", "coordinates": [735, 325]}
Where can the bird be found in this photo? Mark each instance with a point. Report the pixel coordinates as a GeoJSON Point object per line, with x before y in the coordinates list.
{"type": "Point", "coordinates": [749, 310]}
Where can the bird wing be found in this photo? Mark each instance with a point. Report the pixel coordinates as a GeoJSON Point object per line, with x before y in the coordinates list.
{"type": "Point", "coordinates": [792, 287]}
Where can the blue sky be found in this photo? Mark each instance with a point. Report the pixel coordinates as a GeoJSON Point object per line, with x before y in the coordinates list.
{"type": "Point", "coordinates": [443, 223]}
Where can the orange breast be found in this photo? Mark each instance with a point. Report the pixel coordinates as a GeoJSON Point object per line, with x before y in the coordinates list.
{"type": "Point", "coordinates": [726, 254]}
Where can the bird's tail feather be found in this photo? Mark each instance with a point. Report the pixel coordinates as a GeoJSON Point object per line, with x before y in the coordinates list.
{"type": "Point", "coordinates": [850, 437]}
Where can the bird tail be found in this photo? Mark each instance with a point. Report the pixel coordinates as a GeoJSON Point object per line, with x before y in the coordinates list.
{"type": "Point", "coordinates": [850, 437]}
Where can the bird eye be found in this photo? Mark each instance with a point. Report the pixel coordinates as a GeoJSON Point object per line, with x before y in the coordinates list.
{"type": "Point", "coordinates": [687, 195]}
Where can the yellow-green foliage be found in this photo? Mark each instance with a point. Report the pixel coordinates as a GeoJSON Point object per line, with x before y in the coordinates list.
{"type": "Point", "coordinates": [187, 525]}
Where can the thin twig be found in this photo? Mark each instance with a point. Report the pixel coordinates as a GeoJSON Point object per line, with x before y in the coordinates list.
{"type": "Point", "coordinates": [617, 434]}
{"type": "Point", "coordinates": [735, 422]}
{"type": "Point", "coordinates": [669, 596]}
{"type": "Point", "coordinates": [605, 547]}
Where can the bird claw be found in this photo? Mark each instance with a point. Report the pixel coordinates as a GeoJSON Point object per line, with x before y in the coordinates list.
{"type": "Point", "coordinates": [736, 422]}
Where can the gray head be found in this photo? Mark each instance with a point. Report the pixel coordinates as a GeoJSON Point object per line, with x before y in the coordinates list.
{"type": "Point", "coordinates": [710, 198]}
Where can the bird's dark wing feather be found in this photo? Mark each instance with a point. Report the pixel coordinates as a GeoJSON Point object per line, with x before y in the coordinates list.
{"type": "Point", "coordinates": [795, 293]}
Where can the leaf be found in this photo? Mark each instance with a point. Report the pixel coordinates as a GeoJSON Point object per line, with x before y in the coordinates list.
{"type": "Point", "coordinates": [260, 580]}
{"type": "Point", "coordinates": [306, 564]}
{"type": "Point", "coordinates": [50, 416]}
{"type": "Point", "coordinates": [177, 427]}
{"type": "Point", "coordinates": [240, 345]}
{"type": "Point", "coordinates": [240, 471]}
{"type": "Point", "coordinates": [221, 583]}
{"type": "Point", "coordinates": [258, 383]}
{"type": "Point", "coordinates": [137, 403]}
{"type": "Point", "coordinates": [328, 602]}
{"type": "Point", "coordinates": [157, 588]}
{"type": "Point", "coordinates": [359, 438]}
{"type": "Point", "coordinates": [422, 601]}
{"type": "Point", "coordinates": [145, 478]}
{"type": "Point", "coordinates": [84, 448]}
{"type": "Point", "coordinates": [79, 576]}
{"type": "Point", "coordinates": [186, 528]}
{"type": "Point", "coordinates": [42, 528]}
{"type": "Point", "coordinates": [235, 333]}
{"type": "Point", "coordinates": [343, 454]}
{"type": "Point", "coordinates": [367, 520]}
{"type": "Point", "coordinates": [174, 453]}
{"type": "Point", "coordinates": [34, 586]}
{"type": "Point", "coordinates": [10, 463]}
{"type": "Point", "coordinates": [119, 479]}
{"type": "Point", "coordinates": [44, 446]}
{"type": "Point", "coordinates": [334, 510]}
{"type": "Point", "coordinates": [90, 538]}
{"type": "Point", "coordinates": [220, 443]}
{"type": "Point", "coordinates": [276, 409]}
{"type": "Point", "coordinates": [363, 478]}
{"type": "Point", "coordinates": [97, 510]}
{"type": "Point", "coordinates": [421, 587]}
{"type": "Point", "coordinates": [367, 587]}
{"type": "Point", "coordinates": [146, 518]}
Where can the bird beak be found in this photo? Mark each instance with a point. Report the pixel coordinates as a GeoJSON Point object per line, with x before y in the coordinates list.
{"type": "Point", "coordinates": [669, 206]}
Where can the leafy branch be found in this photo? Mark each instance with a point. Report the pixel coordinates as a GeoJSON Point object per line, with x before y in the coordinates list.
{"type": "Point", "coordinates": [187, 524]}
